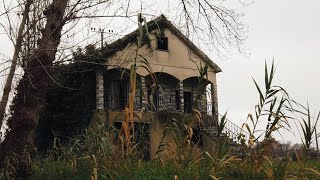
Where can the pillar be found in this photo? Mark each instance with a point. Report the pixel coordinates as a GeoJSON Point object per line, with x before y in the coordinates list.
{"type": "Point", "coordinates": [99, 90]}
{"type": "Point", "coordinates": [181, 96]}
{"type": "Point", "coordinates": [214, 101]}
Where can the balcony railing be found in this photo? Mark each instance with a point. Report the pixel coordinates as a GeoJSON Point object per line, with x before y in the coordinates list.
{"type": "Point", "coordinates": [161, 103]}
{"type": "Point", "coordinates": [209, 120]}
{"type": "Point", "coordinates": [116, 104]}
{"type": "Point", "coordinates": [233, 131]}
{"type": "Point", "coordinates": [230, 129]}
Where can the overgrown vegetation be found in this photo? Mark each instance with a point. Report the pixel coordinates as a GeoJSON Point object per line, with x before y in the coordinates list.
{"type": "Point", "coordinates": [96, 154]}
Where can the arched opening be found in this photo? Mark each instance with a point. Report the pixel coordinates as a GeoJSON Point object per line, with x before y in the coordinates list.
{"type": "Point", "coordinates": [162, 91]}
{"type": "Point", "coordinates": [117, 88]}
{"type": "Point", "coordinates": [195, 94]}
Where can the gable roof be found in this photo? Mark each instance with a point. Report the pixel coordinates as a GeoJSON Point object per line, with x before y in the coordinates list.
{"type": "Point", "coordinates": [160, 22]}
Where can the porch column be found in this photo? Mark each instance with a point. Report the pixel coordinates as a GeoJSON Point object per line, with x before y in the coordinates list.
{"type": "Point", "coordinates": [144, 96]}
{"type": "Point", "coordinates": [99, 90]}
{"type": "Point", "coordinates": [214, 101]}
{"type": "Point", "coordinates": [181, 98]}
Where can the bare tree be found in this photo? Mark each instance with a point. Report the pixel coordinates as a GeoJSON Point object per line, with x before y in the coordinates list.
{"type": "Point", "coordinates": [30, 97]}
{"type": "Point", "coordinates": [17, 49]}
{"type": "Point", "coordinates": [215, 23]}
{"type": "Point", "coordinates": [30, 94]}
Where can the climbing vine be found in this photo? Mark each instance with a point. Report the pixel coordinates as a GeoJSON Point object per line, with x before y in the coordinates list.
{"type": "Point", "coordinates": [70, 100]}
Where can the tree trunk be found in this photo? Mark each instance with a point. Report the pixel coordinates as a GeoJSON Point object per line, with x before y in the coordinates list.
{"type": "Point", "coordinates": [31, 90]}
{"type": "Point", "coordinates": [17, 48]}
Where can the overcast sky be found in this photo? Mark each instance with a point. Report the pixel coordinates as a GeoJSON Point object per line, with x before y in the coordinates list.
{"type": "Point", "coordinates": [289, 32]}
{"type": "Point", "coordinates": [286, 30]}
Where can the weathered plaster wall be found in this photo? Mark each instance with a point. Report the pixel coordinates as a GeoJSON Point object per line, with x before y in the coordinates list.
{"type": "Point", "coordinates": [178, 61]}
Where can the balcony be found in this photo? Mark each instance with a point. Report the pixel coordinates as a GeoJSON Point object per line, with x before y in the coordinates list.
{"type": "Point", "coordinates": [161, 103]}
{"type": "Point", "coordinates": [159, 92]}
{"type": "Point", "coordinates": [119, 104]}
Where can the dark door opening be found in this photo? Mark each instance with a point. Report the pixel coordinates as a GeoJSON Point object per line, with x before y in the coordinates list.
{"type": "Point", "coordinates": [187, 96]}
{"type": "Point", "coordinates": [120, 91]}
{"type": "Point", "coordinates": [177, 101]}
{"type": "Point", "coordinates": [141, 138]}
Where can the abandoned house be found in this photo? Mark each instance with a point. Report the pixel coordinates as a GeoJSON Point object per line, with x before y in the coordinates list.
{"type": "Point", "coordinates": [175, 62]}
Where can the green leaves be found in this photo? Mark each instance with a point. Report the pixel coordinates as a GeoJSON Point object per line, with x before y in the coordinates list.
{"type": "Point", "coordinates": [259, 90]}
{"type": "Point", "coordinates": [308, 129]}
{"type": "Point", "coordinates": [141, 34]}
{"type": "Point", "coordinates": [272, 105]}
{"type": "Point", "coordinates": [268, 79]}
{"type": "Point", "coordinates": [221, 125]}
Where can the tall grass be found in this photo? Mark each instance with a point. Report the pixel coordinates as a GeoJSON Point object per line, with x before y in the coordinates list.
{"type": "Point", "coordinates": [308, 125]}
{"type": "Point", "coordinates": [272, 106]}
{"type": "Point", "coordinates": [274, 103]}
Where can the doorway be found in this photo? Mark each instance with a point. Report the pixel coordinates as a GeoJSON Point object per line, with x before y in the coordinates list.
{"type": "Point", "coordinates": [187, 96]}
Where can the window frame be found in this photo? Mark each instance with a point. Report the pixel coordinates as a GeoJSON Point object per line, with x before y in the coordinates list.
{"type": "Point", "coordinates": [164, 46]}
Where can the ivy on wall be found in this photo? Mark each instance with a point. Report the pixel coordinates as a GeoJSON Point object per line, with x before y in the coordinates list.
{"type": "Point", "coordinates": [70, 100]}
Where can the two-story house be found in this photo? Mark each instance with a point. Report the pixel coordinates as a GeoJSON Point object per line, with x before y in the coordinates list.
{"type": "Point", "coordinates": [175, 63]}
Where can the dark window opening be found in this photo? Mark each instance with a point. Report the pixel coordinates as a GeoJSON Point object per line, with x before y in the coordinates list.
{"type": "Point", "coordinates": [162, 43]}
{"type": "Point", "coordinates": [177, 100]}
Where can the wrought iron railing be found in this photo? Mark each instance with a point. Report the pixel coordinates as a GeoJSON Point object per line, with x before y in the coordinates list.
{"type": "Point", "coordinates": [200, 105]}
{"type": "Point", "coordinates": [162, 104]}
{"type": "Point", "coordinates": [209, 121]}
{"type": "Point", "coordinates": [233, 131]}
{"type": "Point", "coordinates": [118, 103]}
{"type": "Point", "coordinates": [158, 104]}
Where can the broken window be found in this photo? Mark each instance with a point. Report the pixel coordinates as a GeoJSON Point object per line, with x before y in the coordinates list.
{"type": "Point", "coordinates": [162, 43]}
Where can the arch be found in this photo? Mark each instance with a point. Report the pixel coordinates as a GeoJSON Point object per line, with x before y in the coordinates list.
{"type": "Point", "coordinates": [120, 72]}
{"type": "Point", "coordinates": [117, 88]}
{"type": "Point", "coordinates": [195, 93]}
{"type": "Point", "coordinates": [196, 80]}
{"type": "Point", "coordinates": [163, 91]}
{"type": "Point", "coordinates": [161, 77]}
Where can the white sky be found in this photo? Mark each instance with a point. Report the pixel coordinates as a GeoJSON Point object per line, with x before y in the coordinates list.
{"type": "Point", "coordinates": [286, 30]}
{"type": "Point", "coordinates": [289, 32]}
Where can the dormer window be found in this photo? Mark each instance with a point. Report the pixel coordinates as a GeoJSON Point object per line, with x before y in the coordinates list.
{"type": "Point", "coordinates": [162, 43]}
